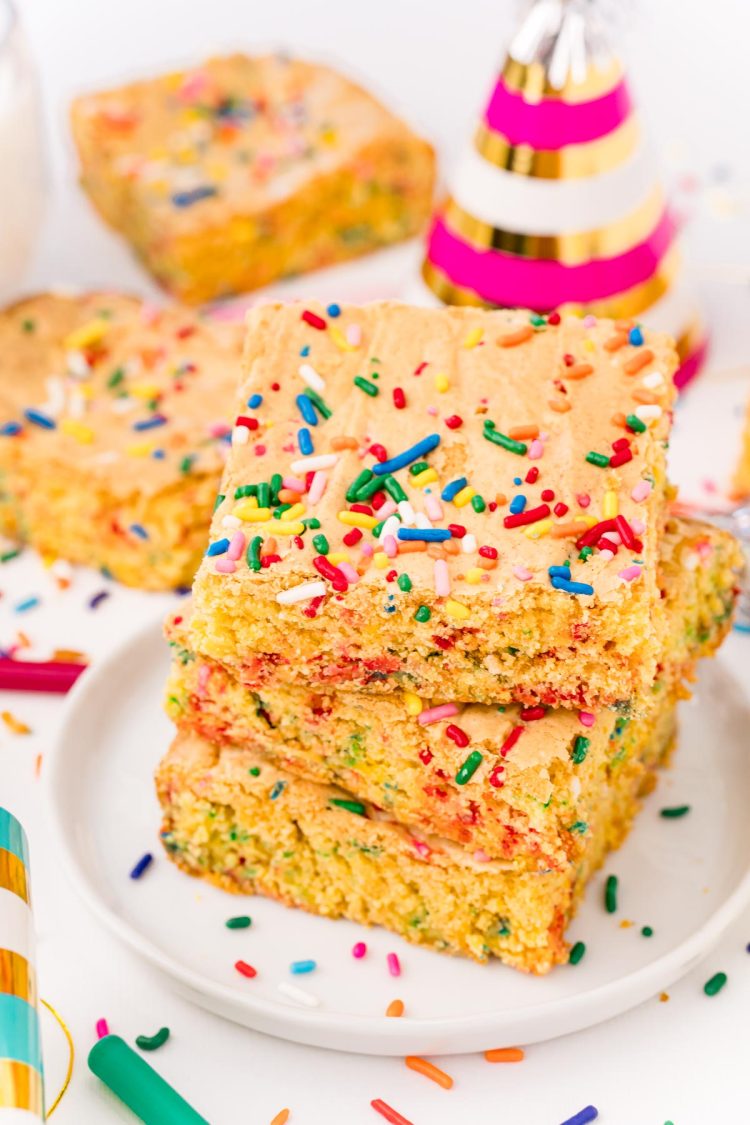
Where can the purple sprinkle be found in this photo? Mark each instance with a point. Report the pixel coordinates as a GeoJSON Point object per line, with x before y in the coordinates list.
{"type": "Point", "coordinates": [98, 599]}
{"type": "Point", "coordinates": [151, 423]}
{"type": "Point", "coordinates": [143, 863]}
{"type": "Point", "coordinates": [589, 1113]}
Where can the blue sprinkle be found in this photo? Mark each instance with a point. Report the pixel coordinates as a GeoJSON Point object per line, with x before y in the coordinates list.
{"type": "Point", "coordinates": [29, 603]}
{"type": "Point", "coordinates": [277, 790]}
{"type": "Point", "coordinates": [559, 571]}
{"type": "Point", "coordinates": [572, 587]}
{"type": "Point", "coordinates": [305, 442]}
{"type": "Point", "coordinates": [424, 534]}
{"type": "Point", "coordinates": [426, 445]}
{"type": "Point", "coordinates": [158, 454]}
{"type": "Point", "coordinates": [517, 504]}
{"type": "Point", "coordinates": [635, 336]}
{"type": "Point", "coordinates": [334, 310]}
{"type": "Point", "coordinates": [139, 530]}
{"type": "Point", "coordinates": [150, 423]}
{"type": "Point", "coordinates": [40, 419]}
{"type": "Point", "coordinates": [583, 1117]}
{"type": "Point", "coordinates": [218, 547]}
{"type": "Point", "coordinates": [517, 481]}
{"type": "Point", "coordinates": [98, 599]}
{"type": "Point", "coordinates": [307, 410]}
{"type": "Point", "coordinates": [298, 967]}
{"type": "Point", "coordinates": [453, 488]}
{"type": "Point", "coordinates": [305, 350]}
{"type": "Point", "coordinates": [254, 401]}
{"type": "Point", "coordinates": [143, 863]}
{"type": "Point", "coordinates": [10, 429]}
{"type": "Point", "coordinates": [188, 198]}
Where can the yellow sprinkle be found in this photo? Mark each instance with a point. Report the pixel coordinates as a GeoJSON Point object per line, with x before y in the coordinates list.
{"type": "Point", "coordinates": [358, 519]}
{"type": "Point", "coordinates": [339, 338]}
{"type": "Point", "coordinates": [86, 335]}
{"type": "Point", "coordinates": [475, 574]}
{"type": "Point", "coordinates": [588, 520]}
{"type": "Point", "coordinates": [328, 136]}
{"type": "Point", "coordinates": [537, 530]}
{"type": "Point", "coordinates": [462, 498]}
{"type": "Point", "coordinates": [140, 449]}
{"type": "Point", "coordinates": [380, 559]}
{"type": "Point", "coordinates": [337, 557]}
{"type": "Point", "coordinates": [474, 336]}
{"type": "Point", "coordinates": [251, 512]}
{"type": "Point", "coordinates": [251, 501]}
{"type": "Point", "coordinates": [144, 390]}
{"type": "Point", "coordinates": [294, 512]}
{"type": "Point", "coordinates": [14, 724]}
{"type": "Point", "coordinates": [427, 476]}
{"type": "Point", "coordinates": [457, 611]}
{"type": "Point", "coordinates": [77, 430]}
{"type": "Point", "coordinates": [589, 345]}
{"type": "Point", "coordinates": [286, 527]}
{"type": "Point", "coordinates": [610, 506]}
{"type": "Point", "coordinates": [413, 703]}
{"type": "Point", "coordinates": [442, 382]}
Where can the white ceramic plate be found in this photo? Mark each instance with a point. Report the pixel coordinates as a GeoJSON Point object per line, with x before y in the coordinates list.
{"type": "Point", "coordinates": [686, 878]}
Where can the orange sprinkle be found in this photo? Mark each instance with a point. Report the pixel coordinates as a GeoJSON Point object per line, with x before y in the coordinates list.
{"type": "Point", "coordinates": [561, 405]}
{"type": "Point", "coordinates": [395, 1008]}
{"type": "Point", "coordinates": [281, 1117]}
{"type": "Point", "coordinates": [38, 766]}
{"type": "Point", "coordinates": [519, 433]}
{"type": "Point", "coordinates": [578, 371]}
{"type": "Point", "coordinates": [638, 361]}
{"type": "Point", "coordinates": [500, 499]}
{"type": "Point", "coordinates": [663, 996]}
{"type": "Point", "coordinates": [619, 420]}
{"type": "Point", "coordinates": [269, 547]}
{"type": "Point", "coordinates": [624, 325]}
{"type": "Point", "coordinates": [288, 496]}
{"type": "Point", "coordinates": [407, 547]}
{"type": "Point", "coordinates": [69, 656]}
{"type": "Point", "coordinates": [14, 724]}
{"type": "Point", "coordinates": [614, 343]}
{"type": "Point", "coordinates": [436, 551]}
{"type": "Point", "coordinates": [451, 547]}
{"type": "Point", "coordinates": [22, 640]}
{"type": "Point", "coordinates": [640, 394]}
{"type": "Point", "coordinates": [565, 530]}
{"type": "Point", "coordinates": [520, 336]}
{"type": "Point", "coordinates": [505, 1054]}
{"type": "Point", "coordinates": [338, 443]}
{"type": "Point", "coordinates": [486, 564]}
{"type": "Point", "coordinates": [429, 1070]}
{"type": "Point", "coordinates": [625, 924]}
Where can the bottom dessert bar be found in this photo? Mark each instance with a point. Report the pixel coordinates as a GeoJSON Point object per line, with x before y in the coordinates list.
{"type": "Point", "coordinates": [741, 481]}
{"type": "Point", "coordinates": [233, 817]}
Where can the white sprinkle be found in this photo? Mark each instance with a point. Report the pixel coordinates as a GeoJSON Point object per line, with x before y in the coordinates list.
{"type": "Point", "coordinates": [231, 523]}
{"type": "Point", "coordinates": [310, 376]}
{"type": "Point", "coordinates": [354, 335]}
{"type": "Point", "coordinates": [123, 405]}
{"type": "Point", "coordinates": [653, 380]}
{"type": "Point", "coordinates": [648, 413]}
{"type": "Point", "coordinates": [77, 364]}
{"type": "Point", "coordinates": [469, 544]}
{"type": "Point", "coordinates": [407, 513]}
{"type": "Point", "coordinates": [240, 435]}
{"type": "Point", "coordinates": [390, 527]}
{"type": "Point", "coordinates": [421, 520]}
{"type": "Point", "coordinates": [76, 404]}
{"type": "Point", "coordinates": [301, 593]}
{"type": "Point", "coordinates": [298, 994]}
{"type": "Point", "coordinates": [310, 464]}
{"type": "Point", "coordinates": [55, 396]}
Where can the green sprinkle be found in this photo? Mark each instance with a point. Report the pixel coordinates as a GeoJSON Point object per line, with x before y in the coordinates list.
{"type": "Point", "coordinates": [394, 489]}
{"type": "Point", "coordinates": [478, 504]}
{"type": "Point", "coordinates": [600, 459]}
{"type": "Point", "coordinates": [245, 490]}
{"type": "Point", "coordinates": [580, 748]}
{"type": "Point", "coordinates": [423, 614]}
{"type": "Point", "coordinates": [252, 554]}
{"type": "Point", "coordinates": [353, 490]}
{"type": "Point", "coordinates": [219, 500]}
{"type": "Point", "coordinates": [715, 984]}
{"type": "Point", "coordinates": [366, 386]}
{"type": "Point", "coordinates": [254, 771]}
{"type": "Point", "coordinates": [577, 952]}
{"type": "Point", "coordinates": [264, 495]}
{"type": "Point", "coordinates": [369, 489]}
{"type": "Point", "coordinates": [634, 423]}
{"type": "Point", "coordinates": [116, 378]}
{"type": "Point", "coordinates": [417, 468]}
{"type": "Point", "coordinates": [186, 464]}
{"type": "Point", "coordinates": [647, 931]}
{"type": "Point", "coordinates": [469, 767]}
{"type": "Point", "coordinates": [152, 1042]}
{"type": "Point", "coordinates": [320, 543]}
{"type": "Point", "coordinates": [277, 483]}
{"type": "Point", "coordinates": [580, 827]}
{"type": "Point", "coordinates": [537, 320]}
{"type": "Point", "coordinates": [28, 325]}
{"type": "Point", "coordinates": [312, 522]}
{"type": "Point", "coordinates": [675, 812]}
{"type": "Point", "coordinates": [279, 512]}
{"type": "Point", "coordinates": [322, 406]}
{"type": "Point", "coordinates": [497, 438]}
{"type": "Point", "coordinates": [6, 556]}
{"type": "Point", "coordinates": [350, 806]}
{"type": "Point", "coordinates": [610, 894]}
{"type": "Point", "coordinates": [404, 583]}
{"type": "Point", "coordinates": [585, 552]}
{"type": "Point", "coordinates": [239, 922]}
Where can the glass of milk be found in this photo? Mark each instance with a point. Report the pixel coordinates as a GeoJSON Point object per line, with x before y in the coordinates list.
{"type": "Point", "coordinates": [22, 178]}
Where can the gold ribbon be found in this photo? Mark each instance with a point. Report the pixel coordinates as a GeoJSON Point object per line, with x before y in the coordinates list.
{"type": "Point", "coordinates": [17, 976]}
{"type": "Point", "coordinates": [574, 248]}
{"type": "Point", "coordinates": [532, 80]}
{"type": "Point", "coordinates": [21, 1087]}
{"type": "Point", "coordinates": [71, 1057]}
{"type": "Point", "coordinates": [567, 163]}
{"type": "Point", "coordinates": [13, 875]}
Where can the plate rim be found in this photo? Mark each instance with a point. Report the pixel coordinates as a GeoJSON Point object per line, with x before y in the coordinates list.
{"type": "Point", "coordinates": [324, 1028]}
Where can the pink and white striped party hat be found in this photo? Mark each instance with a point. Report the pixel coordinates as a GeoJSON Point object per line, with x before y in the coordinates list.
{"type": "Point", "coordinates": [557, 203]}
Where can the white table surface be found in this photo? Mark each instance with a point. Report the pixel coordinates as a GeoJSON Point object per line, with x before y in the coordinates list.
{"type": "Point", "coordinates": [683, 1061]}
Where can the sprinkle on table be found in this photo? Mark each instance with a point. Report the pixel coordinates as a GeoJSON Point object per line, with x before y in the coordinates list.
{"type": "Point", "coordinates": [245, 970]}
{"type": "Point", "coordinates": [298, 995]}
{"type": "Point", "coordinates": [389, 1113]}
{"type": "Point", "coordinates": [301, 967]}
{"type": "Point", "coordinates": [359, 949]}
{"type": "Point", "coordinates": [577, 952]}
{"type": "Point", "coordinates": [588, 1113]}
{"type": "Point", "coordinates": [239, 922]}
{"type": "Point", "coordinates": [152, 1042]}
{"type": "Point", "coordinates": [715, 984]}
{"type": "Point", "coordinates": [395, 1009]}
{"type": "Point", "coordinates": [647, 931]}
{"type": "Point", "coordinates": [429, 1070]}
{"type": "Point", "coordinates": [610, 894]}
{"type": "Point", "coordinates": [142, 865]}
{"type": "Point", "coordinates": [102, 1028]}
{"type": "Point", "coordinates": [281, 1117]}
{"type": "Point", "coordinates": [394, 965]}
{"type": "Point", "coordinates": [505, 1055]}
{"type": "Point", "coordinates": [674, 812]}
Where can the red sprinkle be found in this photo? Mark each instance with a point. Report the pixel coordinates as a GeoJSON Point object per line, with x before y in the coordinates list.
{"type": "Point", "coordinates": [454, 422]}
{"type": "Point", "coordinates": [457, 530]}
{"type": "Point", "coordinates": [607, 545]}
{"type": "Point", "coordinates": [620, 458]}
{"type": "Point", "coordinates": [553, 318]}
{"type": "Point", "coordinates": [532, 476]}
{"type": "Point", "coordinates": [399, 398]}
{"type": "Point", "coordinates": [365, 509]}
{"type": "Point", "coordinates": [529, 714]}
{"type": "Point", "coordinates": [560, 509]}
{"type": "Point", "coordinates": [625, 531]}
{"type": "Point", "coordinates": [495, 778]}
{"type": "Point", "coordinates": [420, 369]}
{"type": "Point", "coordinates": [593, 534]}
{"type": "Point", "coordinates": [488, 552]}
{"type": "Point", "coordinates": [268, 560]}
{"type": "Point", "coordinates": [426, 755]}
{"type": "Point", "coordinates": [510, 741]}
{"type": "Point", "coordinates": [531, 515]}
{"type": "Point", "coordinates": [313, 319]}
{"type": "Point", "coordinates": [569, 359]}
{"type": "Point", "coordinates": [336, 577]}
{"type": "Point", "coordinates": [378, 500]}
{"type": "Point", "coordinates": [352, 537]}
{"type": "Point", "coordinates": [245, 969]}
{"type": "Point", "coordinates": [583, 499]}
{"type": "Point", "coordinates": [391, 576]}
{"type": "Point", "coordinates": [248, 423]}
{"type": "Point", "coordinates": [621, 443]}
{"type": "Point", "coordinates": [388, 1112]}
{"type": "Point", "coordinates": [379, 452]}
{"type": "Point", "coordinates": [455, 734]}
{"type": "Point", "coordinates": [547, 495]}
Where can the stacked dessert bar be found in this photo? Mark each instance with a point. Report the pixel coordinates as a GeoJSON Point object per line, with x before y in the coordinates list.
{"type": "Point", "coordinates": [443, 622]}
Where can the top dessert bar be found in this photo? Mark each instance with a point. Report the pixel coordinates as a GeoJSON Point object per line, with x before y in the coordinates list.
{"type": "Point", "coordinates": [113, 432]}
{"type": "Point", "coordinates": [741, 481]}
{"type": "Point", "coordinates": [443, 500]}
{"type": "Point", "coordinates": [245, 170]}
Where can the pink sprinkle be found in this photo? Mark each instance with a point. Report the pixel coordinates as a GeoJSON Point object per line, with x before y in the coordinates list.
{"type": "Point", "coordinates": [480, 856]}
{"type": "Point", "coordinates": [442, 578]}
{"type": "Point", "coordinates": [536, 450]}
{"type": "Point", "coordinates": [436, 714]}
{"type": "Point", "coordinates": [192, 86]}
{"type": "Point", "coordinates": [294, 484]}
{"type": "Point", "coordinates": [317, 487]}
{"type": "Point", "coordinates": [347, 569]}
{"type": "Point", "coordinates": [433, 411]}
{"type": "Point", "coordinates": [589, 321]}
{"type": "Point", "coordinates": [387, 509]}
{"type": "Point", "coordinates": [434, 508]}
{"type": "Point", "coordinates": [394, 965]}
{"type": "Point", "coordinates": [236, 546]}
{"type": "Point", "coordinates": [638, 526]}
{"type": "Point", "coordinates": [150, 314]}
{"type": "Point", "coordinates": [583, 499]}
{"type": "Point", "coordinates": [641, 491]}
{"type": "Point", "coordinates": [390, 546]}
{"type": "Point", "coordinates": [367, 550]}
{"type": "Point", "coordinates": [630, 573]}
{"type": "Point", "coordinates": [422, 849]}
{"type": "Point", "coordinates": [259, 450]}
{"type": "Point", "coordinates": [359, 950]}
{"type": "Point", "coordinates": [587, 718]}
{"type": "Point", "coordinates": [219, 429]}
{"type": "Point", "coordinates": [354, 335]}
{"type": "Point", "coordinates": [225, 565]}
{"type": "Point", "coordinates": [102, 1029]}
{"type": "Point", "coordinates": [522, 574]}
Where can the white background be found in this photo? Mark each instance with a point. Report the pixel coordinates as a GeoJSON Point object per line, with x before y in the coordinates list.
{"type": "Point", "coordinates": [684, 1061]}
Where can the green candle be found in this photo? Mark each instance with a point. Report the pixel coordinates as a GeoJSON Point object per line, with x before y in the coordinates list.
{"type": "Point", "coordinates": [138, 1085]}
